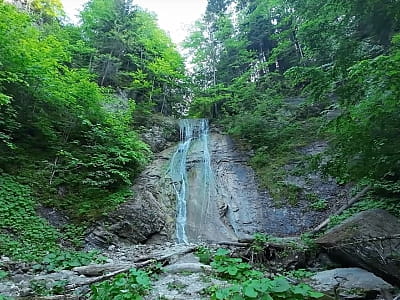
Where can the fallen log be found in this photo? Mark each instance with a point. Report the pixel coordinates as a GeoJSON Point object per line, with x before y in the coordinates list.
{"type": "Point", "coordinates": [107, 276]}
{"type": "Point", "coordinates": [168, 255]}
{"type": "Point", "coordinates": [342, 208]}
{"type": "Point", "coordinates": [236, 244]}
{"type": "Point", "coordinates": [138, 263]}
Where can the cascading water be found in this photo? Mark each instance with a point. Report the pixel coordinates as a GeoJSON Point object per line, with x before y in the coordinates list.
{"type": "Point", "coordinates": [191, 130]}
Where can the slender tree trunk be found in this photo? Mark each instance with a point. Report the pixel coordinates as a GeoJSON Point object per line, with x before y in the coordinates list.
{"type": "Point", "coordinates": [106, 69]}
{"type": "Point", "coordinates": [297, 45]}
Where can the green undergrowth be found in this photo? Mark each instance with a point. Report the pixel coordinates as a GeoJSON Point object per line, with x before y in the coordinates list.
{"type": "Point", "coordinates": [26, 236]}
{"type": "Point", "coordinates": [88, 204]}
{"type": "Point", "coordinates": [23, 234]}
{"type": "Point", "coordinates": [130, 286]}
{"type": "Point", "coordinates": [83, 204]}
{"type": "Point", "coordinates": [245, 282]}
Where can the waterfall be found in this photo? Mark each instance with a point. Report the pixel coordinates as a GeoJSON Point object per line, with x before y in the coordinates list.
{"type": "Point", "coordinates": [191, 130]}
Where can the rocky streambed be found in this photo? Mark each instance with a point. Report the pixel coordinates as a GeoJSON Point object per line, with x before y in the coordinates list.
{"type": "Point", "coordinates": [181, 274]}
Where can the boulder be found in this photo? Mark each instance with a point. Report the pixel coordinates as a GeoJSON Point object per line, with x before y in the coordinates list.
{"type": "Point", "coordinates": [370, 240]}
{"type": "Point", "coordinates": [349, 283]}
{"type": "Point", "coordinates": [187, 267]}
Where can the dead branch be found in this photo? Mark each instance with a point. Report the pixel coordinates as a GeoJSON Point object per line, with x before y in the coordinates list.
{"type": "Point", "coordinates": [167, 256]}
{"type": "Point", "coordinates": [138, 263]}
{"type": "Point", "coordinates": [342, 208]}
{"type": "Point", "coordinates": [236, 244]}
{"type": "Point", "coordinates": [107, 276]}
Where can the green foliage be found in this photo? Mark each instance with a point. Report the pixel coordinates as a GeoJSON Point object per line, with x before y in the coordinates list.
{"type": "Point", "coordinates": [247, 283]}
{"type": "Point", "coordinates": [44, 288]}
{"type": "Point", "coordinates": [366, 134]}
{"type": "Point", "coordinates": [309, 241]}
{"type": "Point", "coordinates": [132, 53]}
{"type": "Point", "coordinates": [130, 286]}
{"type": "Point", "coordinates": [231, 267]}
{"type": "Point", "coordinates": [74, 235]}
{"type": "Point", "coordinates": [390, 204]}
{"type": "Point", "coordinates": [88, 204]}
{"type": "Point", "coordinates": [299, 274]}
{"type": "Point", "coordinates": [319, 205]}
{"type": "Point", "coordinates": [57, 125]}
{"type": "Point", "coordinates": [264, 288]}
{"type": "Point", "coordinates": [3, 274]}
{"type": "Point", "coordinates": [259, 242]}
{"type": "Point", "coordinates": [66, 260]}
{"type": "Point", "coordinates": [336, 54]}
{"type": "Point", "coordinates": [23, 235]}
{"type": "Point", "coordinates": [316, 202]}
{"type": "Point", "coordinates": [204, 254]}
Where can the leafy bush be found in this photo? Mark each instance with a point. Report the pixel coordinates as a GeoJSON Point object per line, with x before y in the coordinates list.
{"type": "Point", "coordinates": [366, 134]}
{"type": "Point", "coordinates": [230, 267]}
{"type": "Point", "coordinates": [247, 283]}
{"type": "Point", "coordinates": [268, 289]}
{"type": "Point", "coordinates": [204, 254]}
{"type": "Point", "coordinates": [131, 286]}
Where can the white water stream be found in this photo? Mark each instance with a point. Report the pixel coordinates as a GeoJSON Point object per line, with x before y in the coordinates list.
{"type": "Point", "coordinates": [191, 130]}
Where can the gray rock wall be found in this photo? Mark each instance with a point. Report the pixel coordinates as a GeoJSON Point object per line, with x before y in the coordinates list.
{"type": "Point", "coordinates": [237, 207]}
{"type": "Point", "coordinates": [150, 212]}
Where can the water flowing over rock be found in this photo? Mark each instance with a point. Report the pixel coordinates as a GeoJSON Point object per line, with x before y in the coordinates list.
{"type": "Point", "coordinates": [217, 196]}
{"type": "Point", "coordinates": [201, 190]}
{"type": "Point", "coordinates": [223, 200]}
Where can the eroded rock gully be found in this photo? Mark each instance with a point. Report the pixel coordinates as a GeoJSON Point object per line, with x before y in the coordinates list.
{"type": "Point", "coordinates": [237, 206]}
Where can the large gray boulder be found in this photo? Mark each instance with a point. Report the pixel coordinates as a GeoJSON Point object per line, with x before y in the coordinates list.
{"type": "Point", "coordinates": [370, 240]}
{"type": "Point", "coordinates": [349, 283]}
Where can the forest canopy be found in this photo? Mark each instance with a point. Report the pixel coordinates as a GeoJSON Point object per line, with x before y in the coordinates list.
{"type": "Point", "coordinates": [71, 96]}
{"type": "Point", "coordinates": [254, 59]}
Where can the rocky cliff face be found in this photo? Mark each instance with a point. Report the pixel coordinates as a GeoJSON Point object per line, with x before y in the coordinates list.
{"type": "Point", "coordinates": [239, 207]}
{"type": "Point", "coordinates": [150, 212]}
{"type": "Point", "coordinates": [236, 208]}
